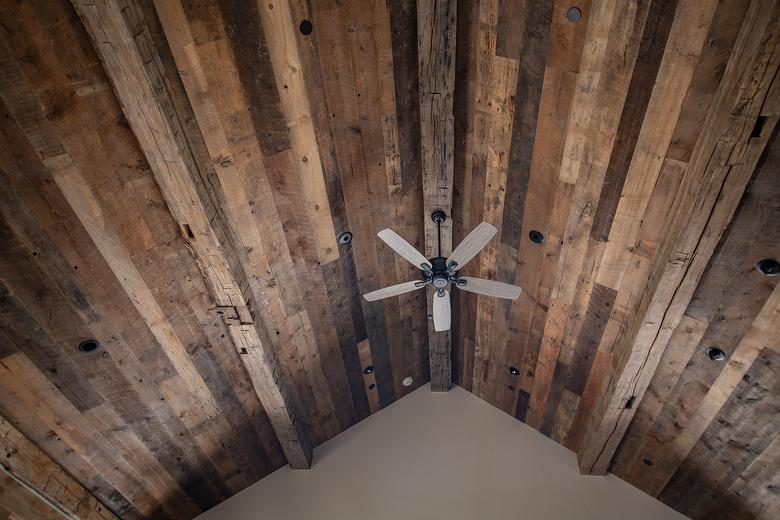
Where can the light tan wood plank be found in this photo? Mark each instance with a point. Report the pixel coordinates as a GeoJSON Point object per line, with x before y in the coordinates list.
{"type": "Point", "coordinates": [283, 49]}
{"type": "Point", "coordinates": [364, 350]}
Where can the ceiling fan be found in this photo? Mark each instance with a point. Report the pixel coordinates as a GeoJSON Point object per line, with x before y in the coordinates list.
{"type": "Point", "coordinates": [441, 272]}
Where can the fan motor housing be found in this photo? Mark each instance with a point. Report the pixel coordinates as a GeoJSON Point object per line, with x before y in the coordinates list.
{"type": "Point", "coordinates": [439, 275]}
{"type": "Point", "coordinates": [440, 281]}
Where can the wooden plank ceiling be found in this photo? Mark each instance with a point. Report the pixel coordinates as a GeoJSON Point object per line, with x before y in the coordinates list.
{"type": "Point", "coordinates": [177, 180]}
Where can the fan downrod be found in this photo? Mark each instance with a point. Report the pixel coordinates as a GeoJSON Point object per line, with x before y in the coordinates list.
{"type": "Point", "coordinates": [438, 218]}
{"type": "Point", "coordinates": [440, 275]}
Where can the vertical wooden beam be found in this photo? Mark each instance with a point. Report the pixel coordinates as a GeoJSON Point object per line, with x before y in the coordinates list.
{"type": "Point", "coordinates": [436, 21]}
{"type": "Point", "coordinates": [724, 158]}
{"type": "Point", "coordinates": [33, 469]}
{"type": "Point", "coordinates": [131, 62]}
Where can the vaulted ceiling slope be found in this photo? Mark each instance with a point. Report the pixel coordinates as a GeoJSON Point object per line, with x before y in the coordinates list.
{"type": "Point", "coordinates": [180, 180]}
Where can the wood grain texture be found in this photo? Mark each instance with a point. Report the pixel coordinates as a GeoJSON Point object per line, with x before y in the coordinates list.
{"type": "Point", "coordinates": [174, 178]}
{"type": "Point", "coordinates": [731, 444]}
{"type": "Point", "coordinates": [144, 105]}
{"type": "Point", "coordinates": [27, 464]}
{"type": "Point", "coordinates": [175, 392]}
{"type": "Point", "coordinates": [608, 157]}
{"type": "Point", "coordinates": [723, 161]}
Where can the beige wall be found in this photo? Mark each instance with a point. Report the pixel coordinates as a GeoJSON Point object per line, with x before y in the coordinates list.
{"type": "Point", "coordinates": [440, 456]}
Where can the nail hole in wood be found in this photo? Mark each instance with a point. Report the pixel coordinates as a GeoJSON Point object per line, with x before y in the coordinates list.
{"type": "Point", "coordinates": [536, 236]}
{"type": "Point", "coordinates": [89, 345]}
{"type": "Point", "coordinates": [188, 231]}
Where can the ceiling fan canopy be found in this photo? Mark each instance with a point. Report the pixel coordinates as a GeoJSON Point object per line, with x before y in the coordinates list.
{"type": "Point", "coordinates": [441, 272]}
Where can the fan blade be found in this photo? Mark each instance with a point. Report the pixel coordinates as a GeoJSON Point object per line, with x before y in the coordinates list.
{"type": "Point", "coordinates": [393, 290]}
{"type": "Point", "coordinates": [472, 244]}
{"type": "Point", "coordinates": [441, 310]}
{"type": "Point", "coordinates": [403, 248]}
{"type": "Point", "coordinates": [490, 287]}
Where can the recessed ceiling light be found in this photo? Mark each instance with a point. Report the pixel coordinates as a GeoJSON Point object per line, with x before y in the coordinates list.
{"type": "Point", "coordinates": [407, 381]}
{"type": "Point", "coordinates": [89, 345]}
{"type": "Point", "coordinates": [715, 354]}
{"type": "Point", "coordinates": [574, 14]}
{"type": "Point", "coordinates": [514, 371]}
{"type": "Point", "coordinates": [768, 267]}
{"type": "Point", "coordinates": [306, 27]}
{"type": "Point", "coordinates": [369, 369]}
{"type": "Point", "coordinates": [345, 238]}
{"type": "Point", "coordinates": [536, 236]}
